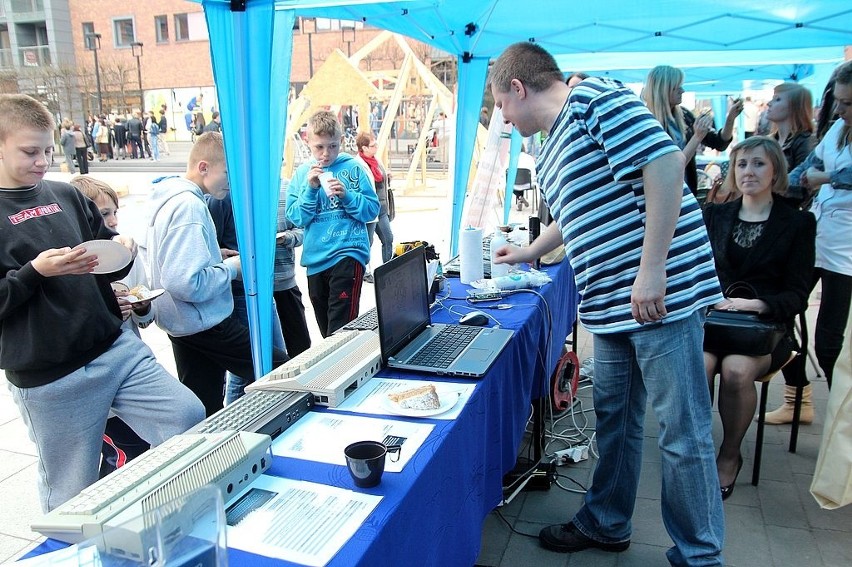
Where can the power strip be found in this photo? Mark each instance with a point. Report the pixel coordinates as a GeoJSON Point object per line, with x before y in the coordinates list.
{"type": "Point", "coordinates": [571, 455]}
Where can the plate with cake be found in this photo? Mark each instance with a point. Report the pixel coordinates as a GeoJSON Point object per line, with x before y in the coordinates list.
{"type": "Point", "coordinates": [422, 401]}
{"type": "Point", "coordinates": [142, 293]}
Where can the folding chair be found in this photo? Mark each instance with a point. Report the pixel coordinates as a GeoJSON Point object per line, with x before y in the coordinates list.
{"type": "Point", "coordinates": [795, 363]}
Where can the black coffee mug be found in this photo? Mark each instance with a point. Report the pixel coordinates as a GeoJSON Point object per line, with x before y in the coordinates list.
{"type": "Point", "coordinates": [366, 461]}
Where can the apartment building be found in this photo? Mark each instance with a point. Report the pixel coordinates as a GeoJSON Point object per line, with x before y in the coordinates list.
{"type": "Point", "coordinates": [84, 57]}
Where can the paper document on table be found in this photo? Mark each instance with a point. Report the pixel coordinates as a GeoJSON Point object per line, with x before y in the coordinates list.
{"type": "Point", "coordinates": [372, 397]}
{"type": "Point", "coordinates": [321, 437]}
{"type": "Point", "coordinates": [298, 521]}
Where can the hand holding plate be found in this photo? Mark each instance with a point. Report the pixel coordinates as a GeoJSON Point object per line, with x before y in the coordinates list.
{"type": "Point", "coordinates": [64, 262]}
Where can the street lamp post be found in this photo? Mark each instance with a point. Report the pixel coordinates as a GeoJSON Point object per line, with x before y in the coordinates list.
{"type": "Point", "coordinates": [93, 44]}
{"type": "Point", "coordinates": [348, 36]}
{"type": "Point", "coordinates": [136, 46]}
{"type": "Point", "coordinates": [310, 30]}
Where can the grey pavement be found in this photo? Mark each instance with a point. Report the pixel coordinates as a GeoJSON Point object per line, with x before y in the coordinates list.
{"type": "Point", "coordinates": [775, 524]}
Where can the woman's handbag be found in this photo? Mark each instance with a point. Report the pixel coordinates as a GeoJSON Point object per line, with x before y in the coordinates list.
{"type": "Point", "coordinates": [391, 204]}
{"type": "Point", "coordinates": [741, 332]}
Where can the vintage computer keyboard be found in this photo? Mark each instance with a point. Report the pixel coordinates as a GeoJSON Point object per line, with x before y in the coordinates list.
{"type": "Point", "coordinates": [330, 370]}
{"type": "Point", "coordinates": [368, 321]}
{"type": "Point", "coordinates": [269, 412]}
{"type": "Point", "coordinates": [231, 461]}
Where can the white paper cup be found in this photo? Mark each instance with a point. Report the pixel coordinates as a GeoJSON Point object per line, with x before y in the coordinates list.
{"type": "Point", "coordinates": [324, 179]}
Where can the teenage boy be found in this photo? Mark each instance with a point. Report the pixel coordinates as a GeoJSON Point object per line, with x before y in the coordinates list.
{"type": "Point", "coordinates": [334, 214]}
{"type": "Point", "coordinates": [67, 358]}
{"type": "Point", "coordinates": [183, 257]}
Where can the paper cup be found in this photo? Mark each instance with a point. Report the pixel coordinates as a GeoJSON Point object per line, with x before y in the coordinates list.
{"type": "Point", "coordinates": [324, 179]}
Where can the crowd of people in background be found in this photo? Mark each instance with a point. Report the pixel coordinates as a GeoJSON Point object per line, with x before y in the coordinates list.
{"type": "Point", "coordinates": [138, 135]}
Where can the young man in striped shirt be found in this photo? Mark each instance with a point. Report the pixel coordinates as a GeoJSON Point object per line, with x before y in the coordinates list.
{"type": "Point", "coordinates": [643, 265]}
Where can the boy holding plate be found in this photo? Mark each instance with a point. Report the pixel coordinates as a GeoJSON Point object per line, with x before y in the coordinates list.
{"type": "Point", "coordinates": [67, 358]}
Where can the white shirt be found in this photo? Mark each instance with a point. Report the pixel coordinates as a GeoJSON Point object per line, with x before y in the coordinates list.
{"type": "Point", "coordinates": [833, 208]}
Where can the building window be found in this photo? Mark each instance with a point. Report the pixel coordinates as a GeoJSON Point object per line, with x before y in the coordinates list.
{"type": "Point", "coordinates": [88, 31]}
{"type": "Point", "coordinates": [125, 33]}
{"type": "Point", "coordinates": [191, 27]}
{"type": "Point", "coordinates": [181, 27]}
{"type": "Point", "coordinates": [161, 28]}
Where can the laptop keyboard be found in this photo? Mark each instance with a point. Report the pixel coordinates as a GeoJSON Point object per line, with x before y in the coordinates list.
{"type": "Point", "coordinates": [444, 347]}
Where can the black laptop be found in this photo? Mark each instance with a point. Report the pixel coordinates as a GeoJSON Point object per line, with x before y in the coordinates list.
{"type": "Point", "coordinates": [408, 338]}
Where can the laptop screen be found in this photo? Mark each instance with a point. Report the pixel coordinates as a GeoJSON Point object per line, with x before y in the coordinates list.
{"type": "Point", "coordinates": [402, 300]}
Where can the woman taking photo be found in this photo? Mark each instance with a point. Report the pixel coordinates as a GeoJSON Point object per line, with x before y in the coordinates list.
{"type": "Point", "coordinates": [662, 94]}
{"type": "Point", "coordinates": [761, 242]}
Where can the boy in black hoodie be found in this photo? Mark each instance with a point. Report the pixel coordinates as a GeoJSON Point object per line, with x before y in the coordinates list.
{"type": "Point", "coordinates": [65, 355]}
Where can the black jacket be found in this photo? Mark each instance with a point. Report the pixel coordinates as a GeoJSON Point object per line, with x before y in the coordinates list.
{"type": "Point", "coordinates": [711, 140]}
{"type": "Point", "coordinates": [779, 266]}
{"type": "Point", "coordinates": [797, 148]}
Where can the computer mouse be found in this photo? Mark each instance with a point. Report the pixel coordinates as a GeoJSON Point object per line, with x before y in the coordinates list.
{"type": "Point", "coordinates": [476, 318]}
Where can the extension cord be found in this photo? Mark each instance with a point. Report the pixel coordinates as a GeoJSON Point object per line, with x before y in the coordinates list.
{"type": "Point", "coordinates": [571, 455]}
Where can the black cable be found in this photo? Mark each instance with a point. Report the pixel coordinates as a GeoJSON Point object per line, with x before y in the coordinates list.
{"type": "Point", "coordinates": [511, 527]}
{"type": "Point", "coordinates": [560, 475]}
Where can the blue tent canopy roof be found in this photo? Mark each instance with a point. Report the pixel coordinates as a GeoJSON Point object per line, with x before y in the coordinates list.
{"type": "Point", "coordinates": [250, 38]}
{"type": "Point", "coordinates": [483, 28]}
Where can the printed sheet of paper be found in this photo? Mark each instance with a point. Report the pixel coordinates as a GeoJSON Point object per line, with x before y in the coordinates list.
{"type": "Point", "coordinates": [323, 436]}
{"type": "Point", "coordinates": [372, 397]}
{"type": "Point", "coordinates": [297, 521]}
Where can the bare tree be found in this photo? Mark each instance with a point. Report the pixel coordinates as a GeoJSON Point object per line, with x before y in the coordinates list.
{"type": "Point", "coordinates": [390, 51]}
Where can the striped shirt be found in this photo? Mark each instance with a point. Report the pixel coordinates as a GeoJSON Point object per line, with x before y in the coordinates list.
{"type": "Point", "coordinates": [591, 173]}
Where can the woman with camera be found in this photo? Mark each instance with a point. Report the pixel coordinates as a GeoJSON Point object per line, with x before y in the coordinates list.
{"type": "Point", "coordinates": [763, 244]}
{"type": "Point", "coordinates": [663, 94]}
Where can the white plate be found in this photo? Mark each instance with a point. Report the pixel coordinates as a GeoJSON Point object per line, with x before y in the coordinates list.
{"type": "Point", "coordinates": [112, 256]}
{"type": "Point", "coordinates": [448, 402]}
{"type": "Point", "coordinates": [155, 293]}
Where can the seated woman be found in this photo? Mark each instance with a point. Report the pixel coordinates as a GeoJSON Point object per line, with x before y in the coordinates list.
{"type": "Point", "coordinates": [662, 94]}
{"type": "Point", "coordinates": [765, 243]}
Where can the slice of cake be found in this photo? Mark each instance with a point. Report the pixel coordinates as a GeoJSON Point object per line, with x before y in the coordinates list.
{"type": "Point", "coordinates": [139, 293]}
{"type": "Point", "coordinates": [420, 398]}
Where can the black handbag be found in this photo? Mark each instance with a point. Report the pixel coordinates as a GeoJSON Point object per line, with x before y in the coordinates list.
{"type": "Point", "coordinates": [741, 332]}
{"type": "Point", "coordinates": [391, 204]}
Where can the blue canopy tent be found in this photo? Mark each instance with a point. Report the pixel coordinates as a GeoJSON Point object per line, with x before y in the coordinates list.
{"type": "Point", "coordinates": [251, 42]}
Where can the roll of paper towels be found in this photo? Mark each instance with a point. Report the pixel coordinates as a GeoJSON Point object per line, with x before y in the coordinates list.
{"type": "Point", "coordinates": [470, 255]}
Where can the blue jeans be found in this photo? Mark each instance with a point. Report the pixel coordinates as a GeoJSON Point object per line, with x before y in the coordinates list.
{"type": "Point", "coordinates": [382, 227]}
{"type": "Point", "coordinates": [155, 149]}
{"type": "Point", "coordinates": [663, 364]}
{"type": "Point", "coordinates": [236, 385]}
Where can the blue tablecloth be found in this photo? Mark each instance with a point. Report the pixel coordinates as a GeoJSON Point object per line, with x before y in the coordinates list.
{"type": "Point", "coordinates": [432, 512]}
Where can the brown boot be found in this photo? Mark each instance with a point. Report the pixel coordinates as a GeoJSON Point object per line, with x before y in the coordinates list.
{"type": "Point", "coordinates": [784, 414]}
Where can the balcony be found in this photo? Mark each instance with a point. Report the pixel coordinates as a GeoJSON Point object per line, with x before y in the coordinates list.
{"type": "Point", "coordinates": [34, 56]}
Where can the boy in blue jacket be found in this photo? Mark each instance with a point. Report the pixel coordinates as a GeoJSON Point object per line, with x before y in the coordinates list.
{"type": "Point", "coordinates": [334, 217]}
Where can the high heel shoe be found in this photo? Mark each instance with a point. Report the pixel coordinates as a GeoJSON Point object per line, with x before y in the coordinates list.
{"type": "Point", "coordinates": [728, 490]}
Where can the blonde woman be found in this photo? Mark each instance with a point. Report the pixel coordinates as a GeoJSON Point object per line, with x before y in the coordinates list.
{"type": "Point", "coordinates": [761, 241]}
{"type": "Point", "coordinates": [663, 94]}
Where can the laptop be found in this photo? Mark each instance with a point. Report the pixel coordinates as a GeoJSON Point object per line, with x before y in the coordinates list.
{"type": "Point", "coordinates": [407, 337]}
